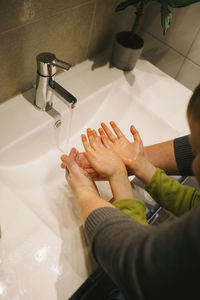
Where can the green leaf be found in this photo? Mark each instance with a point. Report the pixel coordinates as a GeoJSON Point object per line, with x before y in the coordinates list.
{"type": "Point", "coordinates": [166, 17]}
{"type": "Point", "coordinates": [180, 3]}
{"type": "Point", "coordinates": [125, 4]}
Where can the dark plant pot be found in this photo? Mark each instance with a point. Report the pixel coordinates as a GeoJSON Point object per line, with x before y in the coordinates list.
{"type": "Point", "coordinates": [126, 50]}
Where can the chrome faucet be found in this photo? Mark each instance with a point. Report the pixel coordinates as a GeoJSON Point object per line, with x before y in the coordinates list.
{"type": "Point", "coordinates": [45, 84]}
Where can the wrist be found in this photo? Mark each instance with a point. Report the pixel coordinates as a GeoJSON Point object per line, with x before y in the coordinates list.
{"type": "Point", "coordinates": [118, 177]}
{"type": "Point", "coordinates": [121, 186]}
{"type": "Point", "coordinates": [145, 172]}
{"type": "Point", "coordinates": [120, 173]}
{"type": "Point", "coordinates": [88, 201]}
{"type": "Point", "coordinates": [85, 192]}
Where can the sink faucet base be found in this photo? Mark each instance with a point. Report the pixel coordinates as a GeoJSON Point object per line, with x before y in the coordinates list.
{"type": "Point", "coordinates": [45, 84]}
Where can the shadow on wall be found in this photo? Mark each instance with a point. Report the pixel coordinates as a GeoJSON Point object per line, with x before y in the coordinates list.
{"type": "Point", "coordinates": [154, 55]}
{"type": "Point", "coordinates": [101, 60]}
{"type": "Point", "coordinates": [104, 58]}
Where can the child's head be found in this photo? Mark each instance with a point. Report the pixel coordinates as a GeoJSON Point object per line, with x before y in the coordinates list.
{"type": "Point", "coordinates": [193, 115]}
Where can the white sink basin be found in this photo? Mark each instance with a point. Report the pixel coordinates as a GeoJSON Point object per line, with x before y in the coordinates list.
{"type": "Point", "coordinates": [41, 230]}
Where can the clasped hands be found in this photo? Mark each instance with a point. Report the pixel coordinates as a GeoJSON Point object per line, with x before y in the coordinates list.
{"type": "Point", "coordinates": [107, 156]}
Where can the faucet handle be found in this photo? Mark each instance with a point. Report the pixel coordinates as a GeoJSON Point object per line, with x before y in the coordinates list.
{"type": "Point", "coordinates": [65, 66]}
{"type": "Point", "coordinates": [47, 63]}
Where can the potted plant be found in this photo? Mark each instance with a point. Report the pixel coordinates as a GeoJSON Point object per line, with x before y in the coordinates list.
{"type": "Point", "coordinates": [128, 45]}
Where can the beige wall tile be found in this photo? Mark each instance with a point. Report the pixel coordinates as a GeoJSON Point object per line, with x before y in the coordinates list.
{"type": "Point", "coordinates": [182, 41]}
{"type": "Point", "coordinates": [77, 29]}
{"type": "Point", "coordinates": [194, 53]}
{"type": "Point", "coordinates": [189, 75]}
{"type": "Point", "coordinates": [183, 30]}
{"type": "Point", "coordinates": [15, 13]}
{"type": "Point", "coordinates": [51, 7]}
{"type": "Point", "coordinates": [107, 22]}
{"type": "Point", "coordinates": [65, 34]}
{"type": "Point", "coordinates": [161, 55]}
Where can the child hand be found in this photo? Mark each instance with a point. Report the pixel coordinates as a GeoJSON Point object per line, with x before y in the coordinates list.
{"type": "Point", "coordinates": [101, 156]}
{"type": "Point", "coordinates": [78, 179]}
{"type": "Point", "coordinates": [83, 162]}
{"type": "Point", "coordinates": [132, 153]}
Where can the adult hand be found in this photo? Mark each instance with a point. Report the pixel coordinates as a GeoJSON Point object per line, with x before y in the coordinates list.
{"type": "Point", "coordinates": [83, 187]}
{"type": "Point", "coordinates": [101, 156]}
{"type": "Point", "coordinates": [79, 180]}
{"type": "Point", "coordinates": [83, 162]}
{"type": "Point", "coordinates": [132, 153]}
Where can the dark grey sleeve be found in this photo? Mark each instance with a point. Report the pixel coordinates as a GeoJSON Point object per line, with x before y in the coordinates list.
{"type": "Point", "coordinates": [184, 155]}
{"type": "Point", "coordinates": [147, 262]}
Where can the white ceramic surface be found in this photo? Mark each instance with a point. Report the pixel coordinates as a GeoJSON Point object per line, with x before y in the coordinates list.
{"type": "Point", "coordinates": [44, 254]}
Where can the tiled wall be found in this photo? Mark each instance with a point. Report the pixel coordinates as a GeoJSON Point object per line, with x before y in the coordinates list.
{"type": "Point", "coordinates": [72, 29]}
{"type": "Point", "coordinates": [77, 29]}
{"type": "Point", "coordinates": [178, 52]}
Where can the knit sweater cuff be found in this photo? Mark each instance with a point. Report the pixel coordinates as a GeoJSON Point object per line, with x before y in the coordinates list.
{"type": "Point", "coordinates": [98, 216]}
{"type": "Point", "coordinates": [184, 155]}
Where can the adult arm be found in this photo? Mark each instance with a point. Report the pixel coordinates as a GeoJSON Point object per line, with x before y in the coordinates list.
{"type": "Point", "coordinates": [147, 262]}
{"type": "Point", "coordinates": [174, 157]}
{"type": "Point", "coordinates": [166, 191]}
{"type": "Point", "coordinates": [83, 187]}
{"type": "Point", "coordinates": [162, 155]}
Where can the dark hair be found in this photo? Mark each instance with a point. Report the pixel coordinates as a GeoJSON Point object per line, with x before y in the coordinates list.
{"type": "Point", "coordinates": [193, 109]}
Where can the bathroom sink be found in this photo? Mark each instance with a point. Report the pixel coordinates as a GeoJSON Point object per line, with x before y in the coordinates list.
{"type": "Point", "coordinates": [46, 249]}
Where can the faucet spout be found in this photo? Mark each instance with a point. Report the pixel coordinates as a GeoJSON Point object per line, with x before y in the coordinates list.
{"type": "Point", "coordinates": [62, 92]}
{"type": "Point", "coordinates": [46, 71]}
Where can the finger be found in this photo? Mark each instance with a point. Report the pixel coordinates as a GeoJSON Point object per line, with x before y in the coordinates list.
{"type": "Point", "coordinates": [135, 134]}
{"type": "Point", "coordinates": [66, 164]}
{"type": "Point", "coordinates": [94, 175]}
{"type": "Point", "coordinates": [86, 145]}
{"type": "Point", "coordinates": [66, 161]}
{"type": "Point", "coordinates": [97, 138]}
{"type": "Point", "coordinates": [71, 165]}
{"type": "Point", "coordinates": [108, 132]}
{"type": "Point", "coordinates": [63, 158]}
{"type": "Point", "coordinates": [62, 165]}
{"type": "Point", "coordinates": [105, 141]}
{"type": "Point", "coordinates": [82, 160]}
{"type": "Point", "coordinates": [73, 153]}
{"type": "Point", "coordinates": [66, 172]}
{"type": "Point", "coordinates": [91, 139]}
{"type": "Point", "coordinates": [90, 170]}
{"type": "Point", "coordinates": [116, 129]}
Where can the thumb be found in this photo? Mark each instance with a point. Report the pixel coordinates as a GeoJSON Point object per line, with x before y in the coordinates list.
{"type": "Point", "coordinates": [70, 164]}
{"type": "Point", "coordinates": [135, 134]}
{"type": "Point", "coordinates": [73, 153]}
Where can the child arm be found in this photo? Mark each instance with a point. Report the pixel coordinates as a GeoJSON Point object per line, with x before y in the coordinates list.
{"type": "Point", "coordinates": [171, 195]}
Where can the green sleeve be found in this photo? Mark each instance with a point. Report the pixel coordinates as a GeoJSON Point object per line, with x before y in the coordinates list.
{"type": "Point", "coordinates": [171, 195]}
{"type": "Point", "coordinates": [133, 208]}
